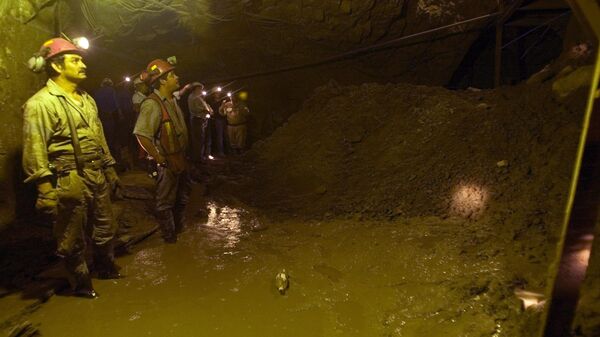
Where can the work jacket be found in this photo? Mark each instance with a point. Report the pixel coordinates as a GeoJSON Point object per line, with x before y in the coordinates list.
{"type": "Point", "coordinates": [46, 133]}
{"type": "Point", "coordinates": [198, 106]}
{"type": "Point", "coordinates": [149, 121]}
{"type": "Point", "coordinates": [237, 114]}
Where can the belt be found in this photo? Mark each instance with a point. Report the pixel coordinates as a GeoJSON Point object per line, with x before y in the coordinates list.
{"type": "Point", "coordinates": [64, 165]}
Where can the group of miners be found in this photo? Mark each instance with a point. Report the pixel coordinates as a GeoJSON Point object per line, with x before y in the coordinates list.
{"type": "Point", "coordinates": [217, 126]}
{"type": "Point", "coordinates": [67, 156]}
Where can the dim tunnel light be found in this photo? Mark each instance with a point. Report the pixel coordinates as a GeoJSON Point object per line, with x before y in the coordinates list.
{"type": "Point", "coordinates": [469, 200]}
{"type": "Point", "coordinates": [219, 89]}
{"type": "Point", "coordinates": [127, 79]}
{"type": "Point", "coordinates": [204, 93]}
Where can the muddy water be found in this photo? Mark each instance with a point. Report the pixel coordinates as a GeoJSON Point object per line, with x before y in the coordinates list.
{"type": "Point", "coordinates": [347, 278]}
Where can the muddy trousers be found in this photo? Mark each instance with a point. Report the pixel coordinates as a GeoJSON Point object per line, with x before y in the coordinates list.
{"type": "Point", "coordinates": [172, 195]}
{"type": "Point", "coordinates": [237, 136]}
{"type": "Point", "coordinates": [84, 214]}
{"type": "Point", "coordinates": [201, 138]}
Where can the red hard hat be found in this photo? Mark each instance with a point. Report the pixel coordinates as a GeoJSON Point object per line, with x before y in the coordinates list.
{"type": "Point", "coordinates": [158, 68]}
{"type": "Point", "coordinates": [58, 46]}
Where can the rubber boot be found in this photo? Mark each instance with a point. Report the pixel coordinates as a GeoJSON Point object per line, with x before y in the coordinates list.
{"type": "Point", "coordinates": [104, 262]}
{"type": "Point", "coordinates": [80, 279]}
{"type": "Point", "coordinates": [167, 225]}
{"type": "Point", "coordinates": [179, 218]}
{"type": "Point", "coordinates": [83, 286]}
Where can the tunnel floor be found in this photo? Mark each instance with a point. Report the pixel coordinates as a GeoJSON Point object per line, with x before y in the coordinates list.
{"type": "Point", "coordinates": [423, 276]}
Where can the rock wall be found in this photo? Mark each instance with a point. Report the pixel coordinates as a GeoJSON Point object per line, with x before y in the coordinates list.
{"type": "Point", "coordinates": [226, 39]}
{"type": "Point", "coordinates": [18, 42]}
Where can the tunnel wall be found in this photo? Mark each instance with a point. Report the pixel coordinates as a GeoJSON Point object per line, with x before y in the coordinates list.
{"type": "Point", "coordinates": [18, 42]}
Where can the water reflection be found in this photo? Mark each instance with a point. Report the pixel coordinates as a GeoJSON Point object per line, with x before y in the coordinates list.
{"type": "Point", "coordinates": [225, 224]}
{"type": "Point", "coordinates": [149, 267]}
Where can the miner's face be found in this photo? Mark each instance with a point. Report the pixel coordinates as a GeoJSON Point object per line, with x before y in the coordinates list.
{"type": "Point", "coordinates": [73, 69]}
{"type": "Point", "coordinates": [171, 81]}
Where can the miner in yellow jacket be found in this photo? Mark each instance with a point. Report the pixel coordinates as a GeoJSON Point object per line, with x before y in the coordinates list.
{"type": "Point", "coordinates": [65, 154]}
{"type": "Point", "coordinates": [237, 115]}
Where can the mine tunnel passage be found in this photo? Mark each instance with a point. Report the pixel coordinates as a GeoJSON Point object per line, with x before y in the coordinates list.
{"type": "Point", "coordinates": [359, 209]}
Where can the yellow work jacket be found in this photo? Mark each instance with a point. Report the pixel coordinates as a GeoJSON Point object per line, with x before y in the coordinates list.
{"type": "Point", "coordinates": [46, 134]}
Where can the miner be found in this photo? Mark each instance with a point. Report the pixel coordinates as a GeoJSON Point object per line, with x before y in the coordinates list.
{"type": "Point", "coordinates": [237, 115]}
{"type": "Point", "coordinates": [200, 118]}
{"type": "Point", "coordinates": [141, 90]}
{"type": "Point", "coordinates": [66, 155]}
{"type": "Point", "coordinates": [162, 132]}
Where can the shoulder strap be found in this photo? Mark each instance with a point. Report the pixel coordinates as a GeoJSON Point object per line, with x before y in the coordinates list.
{"type": "Point", "coordinates": [165, 114]}
{"type": "Point", "coordinates": [74, 136]}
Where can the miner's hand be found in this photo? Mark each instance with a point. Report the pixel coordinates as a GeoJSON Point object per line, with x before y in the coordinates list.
{"type": "Point", "coordinates": [47, 202]}
{"type": "Point", "coordinates": [115, 183]}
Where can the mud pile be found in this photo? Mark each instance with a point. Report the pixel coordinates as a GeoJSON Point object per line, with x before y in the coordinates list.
{"type": "Point", "coordinates": [401, 150]}
{"type": "Point", "coordinates": [502, 158]}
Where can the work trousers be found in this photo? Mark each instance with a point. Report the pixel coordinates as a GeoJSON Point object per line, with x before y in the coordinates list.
{"type": "Point", "coordinates": [201, 138]}
{"type": "Point", "coordinates": [237, 136]}
{"type": "Point", "coordinates": [172, 190]}
{"type": "Point", "coordinates": [84, 210]}
{"type": "Point", "coordinates": [219, 124]}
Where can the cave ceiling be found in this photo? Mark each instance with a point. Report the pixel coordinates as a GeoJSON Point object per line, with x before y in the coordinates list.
{"type": "Point", "coordinates": [224, 39]}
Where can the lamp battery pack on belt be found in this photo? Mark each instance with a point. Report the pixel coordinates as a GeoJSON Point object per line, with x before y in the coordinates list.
{"type": "Point", "coordinates": [167, 137]}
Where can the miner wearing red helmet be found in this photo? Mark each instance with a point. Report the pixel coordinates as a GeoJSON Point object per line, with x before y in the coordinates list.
{"type": "Point", "coordinates": [162, 132]}
{"type": "Point", "coordinates": [65, 154]}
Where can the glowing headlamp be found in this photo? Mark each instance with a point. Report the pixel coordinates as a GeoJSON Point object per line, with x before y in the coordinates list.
{"type": "Point", "coordinates": [81, 42]}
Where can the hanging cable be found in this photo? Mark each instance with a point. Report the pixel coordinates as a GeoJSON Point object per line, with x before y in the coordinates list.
{"type": "Point", "coordinates": [536, 28]}
{"type": "Point", "coordinates": [356, 52]}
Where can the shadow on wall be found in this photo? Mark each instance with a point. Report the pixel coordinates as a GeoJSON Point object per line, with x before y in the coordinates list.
{"type": "Point", "coordinates": [25, 194]}
{"type": "Point", "coordinates": [18, 199]}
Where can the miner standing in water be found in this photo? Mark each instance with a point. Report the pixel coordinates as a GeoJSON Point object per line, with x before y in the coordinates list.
{"type": "Point", "coordinates": [66, 155]}
{"type": "Point", "coordinates": [161, 131]}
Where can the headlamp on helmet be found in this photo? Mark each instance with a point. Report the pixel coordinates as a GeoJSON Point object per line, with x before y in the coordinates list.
{"type": "Point", "coordinates": [54, 47]}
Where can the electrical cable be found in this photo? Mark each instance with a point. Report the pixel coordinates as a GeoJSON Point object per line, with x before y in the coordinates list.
{"type": "Point", "coordinates": [536, 28]}
{"type": "Point", "coordinates": [356, 52]}
{"type": "Point", "coordinates": [535, 43]}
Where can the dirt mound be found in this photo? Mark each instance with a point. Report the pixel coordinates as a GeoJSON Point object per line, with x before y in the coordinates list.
{"type": "Point", "coordinates": [403, 150]}
{"type": "Point", "coordinates": [502, 158]}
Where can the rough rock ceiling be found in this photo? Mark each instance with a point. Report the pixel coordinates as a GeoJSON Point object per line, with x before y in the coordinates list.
{"type": "Point", "coordinates": [226, 38]}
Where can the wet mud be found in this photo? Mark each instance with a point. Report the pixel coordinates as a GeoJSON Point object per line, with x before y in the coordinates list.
{"type": "Point", "coordinates": [413, 277]}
